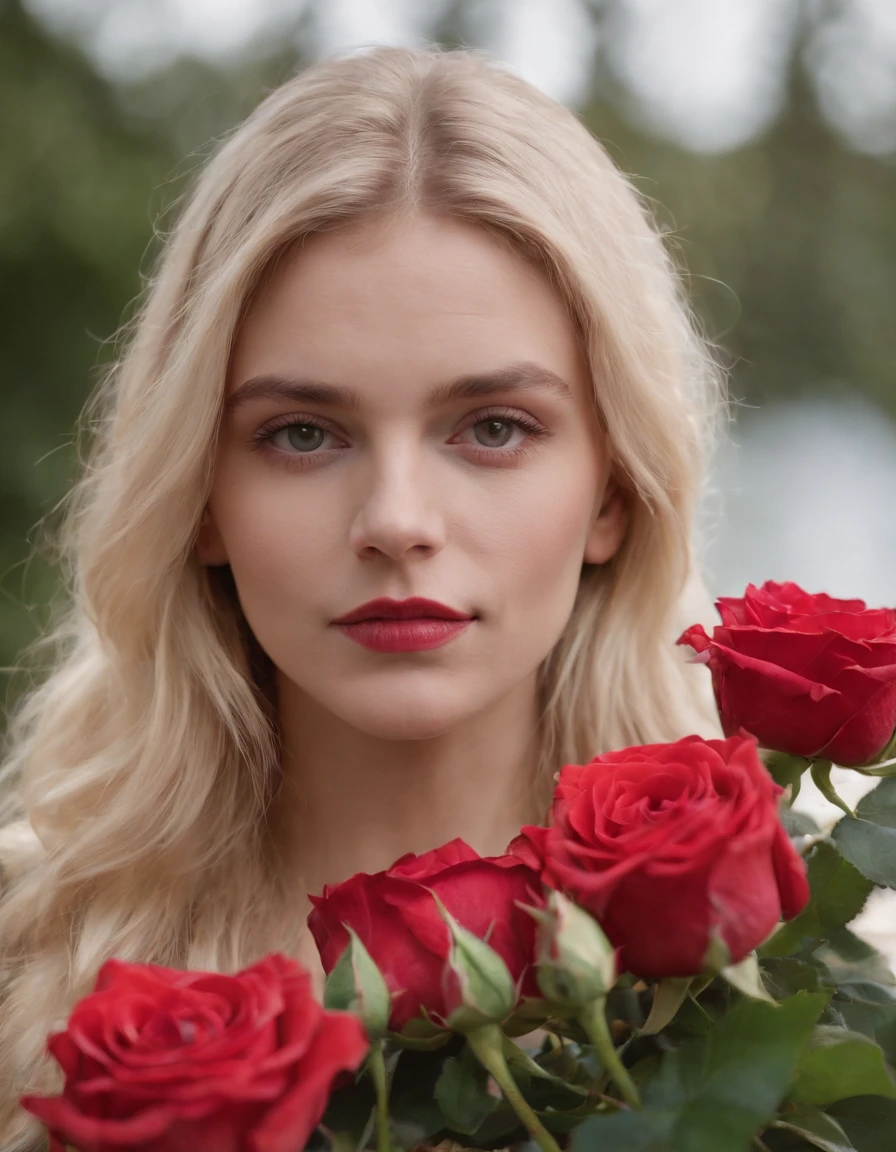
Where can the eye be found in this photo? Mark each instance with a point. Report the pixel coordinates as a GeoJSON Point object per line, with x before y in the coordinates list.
{"type": "Point", "coordinates": [496, 427]}
{"type": "Point", "coordinates": [302, 438]}
{"type": "Point", "coordinates": [500, 426]}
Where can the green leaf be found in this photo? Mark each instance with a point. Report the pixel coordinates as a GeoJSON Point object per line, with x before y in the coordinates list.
{"type": "Point", "coordinates": [798, 823]}
{"type": "Point", "coordinates": [838, 1064]}
{"type": "Point", "coordinates": [869, 841]}
{"type": "Point", "coordinates": [853, 962]}
{"type": "Point", "coordinates": [785, 975]}
{"type": "Point", "coordinates": [839, 891]}
{"type": "Point", "coordinates": [718, 1090]}
{"type": "Point", "coordinates": [869, 1122]}
{"type": "Point", "coordinates": [416, 1118]}
{"type": "Point", "coordinates": [866, 987]}
{"type": "Point", "coordinates": [463, 1097]}
{"type": "Point", "coordinates": [885, 1034]}
{"type": "Point", "coordinates": [816, 1128]}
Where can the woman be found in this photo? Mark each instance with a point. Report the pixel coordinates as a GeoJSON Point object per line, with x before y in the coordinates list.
{"type": "Point", "coordinates": [414, 336]}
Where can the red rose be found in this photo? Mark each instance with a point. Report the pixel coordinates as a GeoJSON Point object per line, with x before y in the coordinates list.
{"type": "Point", "coordinates": [669, 844]}
{"type": "Point", "coordinates": [808, 675]}
{"type": "Point", "coordinates": [398, 921]}
{"type": "Point", "coordinates": [168, 1061]}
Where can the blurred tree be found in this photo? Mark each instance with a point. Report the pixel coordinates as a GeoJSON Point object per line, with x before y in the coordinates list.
{"type": "Point", "coordinates": [74, 224]}
{"type": "Point", "coordinates": [790, 240]}
{"type": "Point", "coordinates": [89, 172]}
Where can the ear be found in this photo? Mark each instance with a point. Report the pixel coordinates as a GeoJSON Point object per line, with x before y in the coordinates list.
{"type": "Point", "coordinates": [210, 549]}
{"type": "Point", "coordinates": [609, 526]}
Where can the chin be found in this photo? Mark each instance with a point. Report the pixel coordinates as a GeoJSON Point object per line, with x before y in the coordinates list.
{"type": "Point", "coordinates": [384, 716]}
{"type": "Point", "coordinates": [402, 725]}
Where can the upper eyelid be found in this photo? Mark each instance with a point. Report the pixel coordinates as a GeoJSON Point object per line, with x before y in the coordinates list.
{"type": "Point", "coordinates": [494, 411]}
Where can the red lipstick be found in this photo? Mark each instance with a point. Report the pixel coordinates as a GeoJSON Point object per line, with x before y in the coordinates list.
{"type": "Point", "coordinates": [413, 625]}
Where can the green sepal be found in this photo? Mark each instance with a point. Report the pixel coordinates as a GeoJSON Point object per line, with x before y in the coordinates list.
{"type": "Point", "coordinates": [356, 985]}
{"type": "Point", "coordinates": [668, 997]}
{"type": "Point", "coordinates": [786, 770]}
{"type": "Point", "coordinates": [747, 978]}
{"type": "Point", "coordinates": [475, 978]}
{"type": "Point", "coordinates": [821, 778]}
{"type": "Point", "coordinates": [421, 1034]}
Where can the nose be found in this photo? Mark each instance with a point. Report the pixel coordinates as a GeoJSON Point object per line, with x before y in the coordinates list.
{"type": "Point", "coordinates": [397, 511]}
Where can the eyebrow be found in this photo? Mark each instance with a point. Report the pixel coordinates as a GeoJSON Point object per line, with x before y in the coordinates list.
{"type": "Point", "coordinates": [524, 375]}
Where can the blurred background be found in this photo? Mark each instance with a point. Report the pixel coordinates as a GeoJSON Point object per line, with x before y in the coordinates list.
{"type": "Point", "coordinates": [764, 130]}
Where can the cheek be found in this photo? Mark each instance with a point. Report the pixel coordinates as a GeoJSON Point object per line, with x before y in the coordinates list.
{"type": "Point", "coordinates": [537, 539]}
{"type": "Point", "coordinates": [275, 542]}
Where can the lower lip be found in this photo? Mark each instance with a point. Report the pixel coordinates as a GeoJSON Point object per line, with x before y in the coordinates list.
{"type": "Point", "coordinates": [404, 635]}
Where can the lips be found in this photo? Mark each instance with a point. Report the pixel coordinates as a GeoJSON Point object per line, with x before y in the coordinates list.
{"type": "Point", "coordinates": [415, 608]}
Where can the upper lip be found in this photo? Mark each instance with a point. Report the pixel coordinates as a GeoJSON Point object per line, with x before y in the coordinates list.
{"type": "Point", "coordinates": [385, 608]}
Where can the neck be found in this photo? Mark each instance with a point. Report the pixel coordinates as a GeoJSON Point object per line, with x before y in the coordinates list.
{"type": "Point", "coordinates": [350, 802]}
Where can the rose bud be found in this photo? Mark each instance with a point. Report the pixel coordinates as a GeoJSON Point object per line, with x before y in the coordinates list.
{"type": "Point", "coordinates": [576, 963]}
{"type": "Point", "coordinates": [476, 983]}
{"type": "Point", "coordinates": [396, 916]}
{"type": "Point", "coordinates": [357, 985]}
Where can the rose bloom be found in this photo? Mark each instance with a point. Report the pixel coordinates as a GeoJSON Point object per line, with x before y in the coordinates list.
{"type": "Point", "coordinates": [160, 1060]}
{"type": "Point", "coordinates": [806, 674]}
{"type": "Point", "coordinates": [398, 921]}
{"type": "Point", "coordinates": [669, 845]}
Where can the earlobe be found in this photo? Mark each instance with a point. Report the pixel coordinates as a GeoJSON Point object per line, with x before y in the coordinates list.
{"type": "Point", "coordinates": [210, 549]}
{"type": "Point", "coordinates": [609, 528]}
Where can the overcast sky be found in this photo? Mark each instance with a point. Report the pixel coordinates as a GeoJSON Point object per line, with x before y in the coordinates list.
{"type": "Point", "coordinates": [706, 72]}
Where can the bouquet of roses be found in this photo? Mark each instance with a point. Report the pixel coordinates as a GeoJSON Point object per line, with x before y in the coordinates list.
{"type": "Point", "coordinates": [667, 967]}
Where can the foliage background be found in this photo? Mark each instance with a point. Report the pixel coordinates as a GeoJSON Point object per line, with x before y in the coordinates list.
{"type": "Point", "coordinates": [781, 194]}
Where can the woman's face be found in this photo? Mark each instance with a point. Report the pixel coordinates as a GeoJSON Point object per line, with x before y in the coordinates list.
{"type": "Point", "coordinates": [488, 502]}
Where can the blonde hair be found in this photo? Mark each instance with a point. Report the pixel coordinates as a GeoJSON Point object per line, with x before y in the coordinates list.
{"type": "Point", "coordinates": [145, 761]}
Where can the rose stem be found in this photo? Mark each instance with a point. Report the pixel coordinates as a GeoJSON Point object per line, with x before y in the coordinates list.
{"type": "Point", "coordinates": [594, 1020]}
{"type": "Point", "coordinates": [487, 1043]}
{"type": "Point", "coordinates": [377, 1066]}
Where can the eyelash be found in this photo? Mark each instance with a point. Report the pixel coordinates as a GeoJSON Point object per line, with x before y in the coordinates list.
{"type": "Point", "coordinates": [262, 439]}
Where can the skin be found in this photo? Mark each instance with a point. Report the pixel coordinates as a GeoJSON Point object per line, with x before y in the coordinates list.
{"type": "Point", "coordinates": [389, 753]}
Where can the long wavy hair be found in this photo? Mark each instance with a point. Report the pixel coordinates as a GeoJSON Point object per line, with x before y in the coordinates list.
{"type": "Point", "coordinates": [138, 772]}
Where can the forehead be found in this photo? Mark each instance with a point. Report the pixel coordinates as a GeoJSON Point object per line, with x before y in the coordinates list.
{"type": "Point", "coordinates": [424, 295]}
